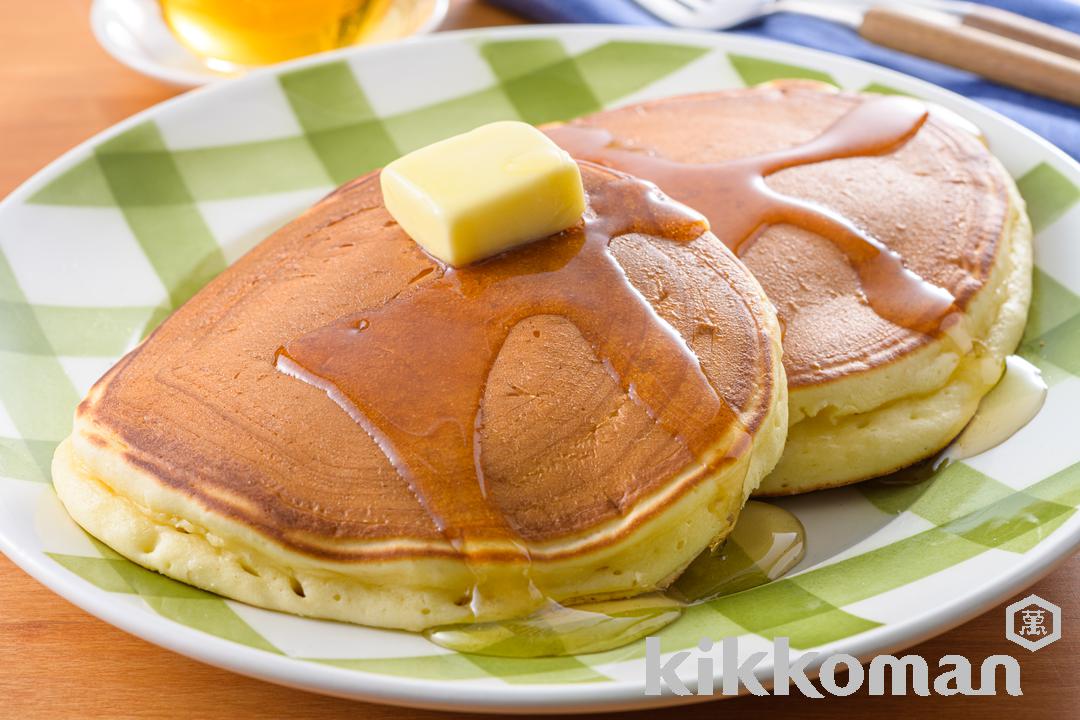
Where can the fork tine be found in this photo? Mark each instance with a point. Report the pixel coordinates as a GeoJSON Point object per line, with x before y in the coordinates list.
{"type": "Point", "coordinates": [675, 12]}
{"type": "Point", "coordinates": [705, 14]}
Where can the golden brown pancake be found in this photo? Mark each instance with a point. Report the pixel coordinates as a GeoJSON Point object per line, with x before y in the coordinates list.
{"type": "Point", "coordinates": [340, 426]}
{"type": "Point", "coordinates": [893, 244]}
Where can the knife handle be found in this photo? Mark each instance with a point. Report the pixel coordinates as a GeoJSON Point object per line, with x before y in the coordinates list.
{"type": "Point", "coordinates": [1018, 27]}
{"type": "Point", "coordinates": [944, 39]}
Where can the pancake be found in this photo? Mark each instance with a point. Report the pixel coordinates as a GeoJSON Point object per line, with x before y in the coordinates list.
{"type": "Point", "coordinates": [893, 244]}
{"type": "Point", "coordinates": [339, 426]}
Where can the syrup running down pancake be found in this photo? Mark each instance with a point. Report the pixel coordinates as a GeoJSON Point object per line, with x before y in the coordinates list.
{"type": "Point", "coordinates": [341, 426]}
{"type": "Point", "coordinates": [892, 243]}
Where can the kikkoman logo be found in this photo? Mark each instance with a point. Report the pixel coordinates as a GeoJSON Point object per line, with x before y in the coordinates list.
{"type": "Point", "coordinates": [1032, 623]}
{"type": "Point", "coordinates": [907, 673]}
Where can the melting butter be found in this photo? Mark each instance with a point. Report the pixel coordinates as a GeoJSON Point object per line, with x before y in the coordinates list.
{"type": "Point", "coordinates": [477, 194]}
{"type": "Point", "coordinates": [1009, 406]}
{"type": "Point", "coordinates": [766, 543]}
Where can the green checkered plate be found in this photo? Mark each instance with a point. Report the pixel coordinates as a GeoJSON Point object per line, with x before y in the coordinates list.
{"type": "Point", "coordinates": [100, 246]}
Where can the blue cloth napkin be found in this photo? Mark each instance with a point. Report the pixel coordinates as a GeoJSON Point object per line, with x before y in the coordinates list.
{"type": "Point", "coordinates": [1057, 122]}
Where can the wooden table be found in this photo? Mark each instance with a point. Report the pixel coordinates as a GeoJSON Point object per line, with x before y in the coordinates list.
{"type": "Point", "coordinates": [57, 88]}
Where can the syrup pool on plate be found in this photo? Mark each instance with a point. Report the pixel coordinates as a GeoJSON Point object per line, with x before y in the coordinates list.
{"type": "Point", "coordinates": [766, 543]}
{"type": "Point", "coordinates": [1003, 412]}
{"type": "Point", "coordinates": [1012, 404]}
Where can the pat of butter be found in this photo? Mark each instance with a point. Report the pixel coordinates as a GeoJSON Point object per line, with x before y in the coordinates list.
{"type": "Point", "coordinates": [482, 192]}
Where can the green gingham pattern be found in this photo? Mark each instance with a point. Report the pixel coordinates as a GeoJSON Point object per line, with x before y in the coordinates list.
{"type": "Point", "coordinates": [127, 231]}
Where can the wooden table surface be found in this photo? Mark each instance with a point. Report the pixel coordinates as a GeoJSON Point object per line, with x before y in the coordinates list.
{"type": "Point", "coordinates": [57, 88]}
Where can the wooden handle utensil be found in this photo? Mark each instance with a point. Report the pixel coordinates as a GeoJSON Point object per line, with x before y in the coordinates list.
{"type": "Point", "coordinates": [952, 41]}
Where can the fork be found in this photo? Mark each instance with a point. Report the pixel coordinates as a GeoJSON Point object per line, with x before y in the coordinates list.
{"type": "Point", "coordinates": [1002, 46]}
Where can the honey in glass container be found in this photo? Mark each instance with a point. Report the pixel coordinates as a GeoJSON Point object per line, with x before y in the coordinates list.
{"type": "Point", "coordinates": [259, 32]}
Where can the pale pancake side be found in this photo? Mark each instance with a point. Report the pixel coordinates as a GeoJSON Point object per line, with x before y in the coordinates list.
{"type": "Point", "coordinates": [962, 368]}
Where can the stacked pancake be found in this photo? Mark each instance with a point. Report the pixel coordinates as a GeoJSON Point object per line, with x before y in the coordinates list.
{"type": "Point", "coordinates": [340, 426]}
{"type": "Point", "coordinates": [886, 362]}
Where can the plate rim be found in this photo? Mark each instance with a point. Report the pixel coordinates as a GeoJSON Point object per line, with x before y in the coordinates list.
{"type": "Point", "coordinates": [522, 698]}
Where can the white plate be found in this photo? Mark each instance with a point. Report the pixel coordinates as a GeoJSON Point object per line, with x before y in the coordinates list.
{"type": "Point", "coordinates": [103, 242]}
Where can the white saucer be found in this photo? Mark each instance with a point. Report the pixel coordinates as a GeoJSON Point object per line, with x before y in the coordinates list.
{"type": "Point", "coordinates": [134, 32]}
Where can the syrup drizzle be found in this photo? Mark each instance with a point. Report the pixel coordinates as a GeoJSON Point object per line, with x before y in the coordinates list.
{"type": "Point", "coordinates": [739, 204]}
{"type": "Point", "coordinates": [412, 372]}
